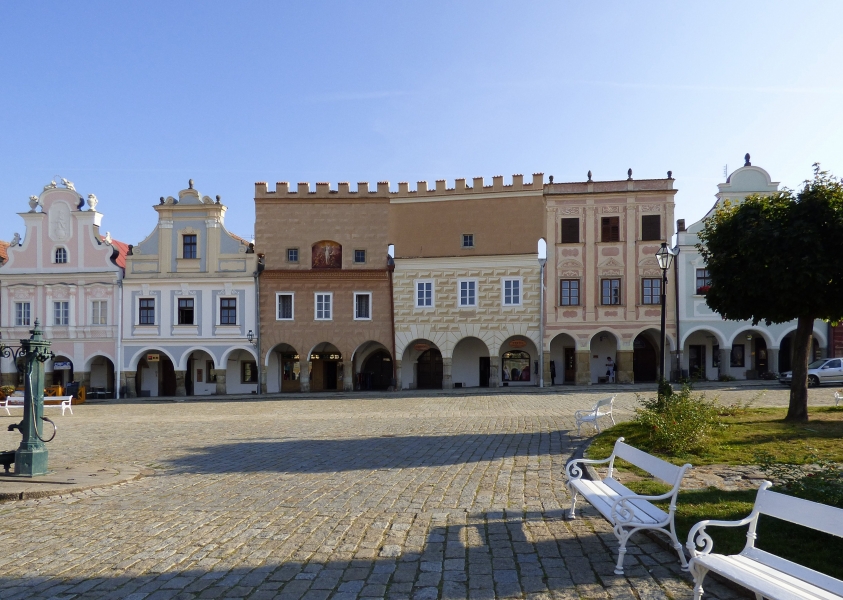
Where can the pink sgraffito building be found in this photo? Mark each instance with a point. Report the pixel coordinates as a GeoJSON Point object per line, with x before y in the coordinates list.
{"type": "Point", "coordinates": [66, 274]}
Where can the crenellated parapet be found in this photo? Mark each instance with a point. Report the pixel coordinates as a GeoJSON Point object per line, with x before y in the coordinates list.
{"type": "Point", "coordinates": [462, 186]}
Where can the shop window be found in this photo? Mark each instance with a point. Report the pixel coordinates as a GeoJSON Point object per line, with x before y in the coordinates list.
{"type": "Point", "coordinates": [98, 312]}
{"type": "Point", "coordinates": [610, 291]}
{"type": "Point", "coordinates": [651, 290]}
{"type": "Point", "coordinates": [424, 294]}
{"type": "Point", "coordinates": [737, 358]}
{"type": "Point", "coordinates": [511, 292]}
{"type": "Point", "coordinates": [61, 256]}
{"type": "Point", "coordinates": [22, 314]}
{"type": "Point", "coordinates": [323, 306]}
{"type": "Point", "coordinates": [146, 311]}
{"type": "Point", "coordinates": [248, 371]}
{"type": "Point", "coordinates": [651, 227]}
{"type": "Point", "coordinates": [189, 246]}
{"type": "Point", "coordinates": [610, 229]}
{"type": "Point", "coordinates": [228, 311]}
{"type": "Point", "coordinates": [185, 316]}
{"type": "Point", "coordinates": [293, 255]}
{"type": "Point", "coordinates": [515, 366]}
{"type": "Point", "coordinates": [569, 292]}
{"type": "Point", "coordinates": [362, 306]}
{"type": "Point", "coordinates": [570, 231]}
{"type": "Point", "coordinates": [61, 313]}
{"type": "Point", "coordinates": [284, 301]}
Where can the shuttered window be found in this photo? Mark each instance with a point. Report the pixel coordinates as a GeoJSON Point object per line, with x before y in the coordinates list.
{"type": "Point", "coordinates": [570, 231]}
{"type": "Point", "coordinates": [610, 229]}
{"type": "Point", "coordinates": [651, 227]}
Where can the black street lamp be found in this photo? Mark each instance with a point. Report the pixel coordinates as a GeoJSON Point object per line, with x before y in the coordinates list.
{"type": "Point", "coordinates": [665, 257]}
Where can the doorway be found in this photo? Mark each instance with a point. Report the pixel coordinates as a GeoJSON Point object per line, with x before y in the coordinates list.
{"type": "Point", "coordinates": [760, 348]}
{"type": "Point", "coordinates": [644, 363]}
{"type": "Point", "coordinates": [485, 370]}
{"type": "Point", "coordinates": [570, 365]}
{"type": "Point", "coordinates": [696, 361]}
{"type": "Point", "coordinates": [430, 370]}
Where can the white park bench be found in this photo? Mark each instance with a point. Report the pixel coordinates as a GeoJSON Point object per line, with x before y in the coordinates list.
{"type": "Point", "coordinates": [627, 511]}
{"type": "Point", "coordinates": [766, 574]}
{"type": "Point", "coordinates": [603, 408]}
{"type": "Point", "coordinates": [64, 402]}
{"type": "Point", "coordinates": [837, 398]}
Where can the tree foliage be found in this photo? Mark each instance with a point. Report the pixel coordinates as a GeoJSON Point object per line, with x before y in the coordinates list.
{"type": "Point", "coordinates": [778, 258]}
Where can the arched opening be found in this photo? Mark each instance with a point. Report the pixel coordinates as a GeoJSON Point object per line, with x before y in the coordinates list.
{"type": "Point", "coordinates": [603, 361]}
{"type": "Point", "coordinates": [62, 371]}
{"type": "Point", "coordinates": [376, 373]}
{"type": "Point", "coordinates": [156, 375]}
{"type": "Point", "coordinates": [101, 382]}
{"type": "Point", "coordinates": [421, 369]}
{"type": "Point", "coordinates": [645, 362]}
{"type": "Point", "coordinates": [701, 356]}
{"type": "Point", "coordinates": [325, 368]}
{"type": "Point", "coordinates": [429, 370]}
{"type": "Point", "coordinates": [242, 374]}
{"type": "Point", "coordinates": [519, 362]}
{"type": "Point", "coordinates": [471, 363]}
{"type": "Point", "coordinates": [563, 360]}
{"type": "Point", "coordinates": [283, 370]}
{"type": "Point", "coordinates": [200, 378]}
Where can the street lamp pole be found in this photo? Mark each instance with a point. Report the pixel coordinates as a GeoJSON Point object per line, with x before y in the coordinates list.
{"type": "Point", "coordinates": [542, 263]}
{"type": "Point", "coordinates": [665, 257]}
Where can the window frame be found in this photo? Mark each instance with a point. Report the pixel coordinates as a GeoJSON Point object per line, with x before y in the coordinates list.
{"type": "Point", "coordinates": [703, 279]}
{"type": "Point", "coordinates": [562, 293]}
{"type": "Point", "coordinates": [194, 245]}
{"type": "Point", "coordinates": [356, 295]}
{"type": "Point", "coordinates": [292, 316]}
{"type": "Point", "coordinates": [290, 251]}
{"type": "Point", "coordinates": [180, 308]}
{"type": "Point", "coordinates": [657, 233]}
{"type": "Point", "coordinates": [364, 256]}
{"type": "Point", "coordinates": [330, 311]}
{"type": "Point", "coordinates": [223, 310]}
{"type": "Point", "coordinates": [467, 241]}
{"type": "Point", "coordinates": [61, 313]}
{"type": "Point", "coordinates": [99, 312]}
{"type": "Point", "coordinates": [65, 255]}
{"type": "Point", "coordinates": [145, 310]}
{"type": "Point", "coordinates": [23, 314]}
{"type": "Point", "coordinates": [471, 283]}
{"type": "Point", "coordinates": [654, 300]}
{"type": "Point", "coordinates": [254, 371]}
{"type": "Point", "coordinates": [606, 223]}
{"type": "Point", "coordinates": [520, 284]}
{"type": "Point", "coordinates": [432, 291]}
{"type": "Point", "coordinates": [614, 291]}
{"type": "Point", "coordinates": [562, 221]}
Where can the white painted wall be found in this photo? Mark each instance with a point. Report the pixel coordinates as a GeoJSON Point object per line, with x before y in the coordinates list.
{"type": "Point", "coordinates": [601, 349]}
{"type": "Point", "coordinates": [465, 365]}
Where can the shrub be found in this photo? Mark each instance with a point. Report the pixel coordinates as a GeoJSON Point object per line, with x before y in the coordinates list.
{"type": "Point", "coordinates": [725, 377]}
{"type": "Point", "coordinates": [677, 422]}
{"type": "Point", "coordinates": [7, 390]}
{"type": "Point", "coordinates": [820, 481]}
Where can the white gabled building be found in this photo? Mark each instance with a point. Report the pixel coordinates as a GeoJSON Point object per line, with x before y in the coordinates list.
{"type": "Point", "coordinates": [65, 274]}
{"type": "Point", "coordinates": [711, 346]}
{"type": "Point", "coordinates": [189, 300]}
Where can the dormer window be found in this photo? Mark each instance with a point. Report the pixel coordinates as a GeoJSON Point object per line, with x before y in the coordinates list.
{"type": "Point", "coordinates": [61, 256]}
{"type": "Point", "coordinates": [189, 246]}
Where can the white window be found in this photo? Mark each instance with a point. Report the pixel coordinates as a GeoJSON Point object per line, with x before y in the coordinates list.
{"type": "Point", "coordinates": [98, 312]}
{"type": "Point", "coordinates": [424, 294]}
{"type": "Point", "coordinates": [61, 313]}
{"type": "Point", "coordinates": [468, 292]}
{"type": "Point", "coordinates": [323, 306]}
{"type": "Point", "coordinates": [22, 314]}
{"type": "Point", "coordinates": [228, 311]}
{"type": "Point", "coordinates": [61, 256]}
{"type": "Point", "coordinates": [362, 306]}
{"type": "Point", "coordinates": [285, 304]}
{"type": "Point", "coordinates": [468, 240]}
{"type": "Point", "coordinates": [512, 292]}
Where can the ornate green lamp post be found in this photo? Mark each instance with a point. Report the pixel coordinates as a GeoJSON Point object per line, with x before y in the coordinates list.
{"type": "Point", "coordinates": [31, 455]}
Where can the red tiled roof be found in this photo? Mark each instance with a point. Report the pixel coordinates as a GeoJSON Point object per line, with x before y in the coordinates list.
{"type": "Point", "coordinates": [122, 252]}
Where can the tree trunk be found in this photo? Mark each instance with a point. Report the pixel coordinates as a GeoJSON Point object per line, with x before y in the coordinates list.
{"type": "Point", "coordinates": [802, 343]}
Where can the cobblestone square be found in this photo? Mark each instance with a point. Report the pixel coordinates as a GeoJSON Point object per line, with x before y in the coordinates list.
{"type": "Point", "coordinates": [437, 496]}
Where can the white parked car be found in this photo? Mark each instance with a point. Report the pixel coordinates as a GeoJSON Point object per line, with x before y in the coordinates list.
{"type": "Point", "coordinates": [824, 370]}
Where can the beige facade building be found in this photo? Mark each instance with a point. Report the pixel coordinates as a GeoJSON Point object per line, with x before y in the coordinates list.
{"type": "Point", "coordinates": [604, 282]}
{"type": "Point", "coordinates": [467, 286]}
{"type": "Point", "coordinates": [325, 294]}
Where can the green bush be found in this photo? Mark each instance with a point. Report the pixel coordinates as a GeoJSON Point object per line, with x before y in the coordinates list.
{"type": "Point", "coordinates": [7, 390]}
{"type": "Point", "coordinates": [821, 481]}
{"type": "Point", "coordinates": [677, 422]}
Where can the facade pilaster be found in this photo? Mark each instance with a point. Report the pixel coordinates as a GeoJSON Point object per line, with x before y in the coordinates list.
{"type": "Point", "coordinates": [447, 378]}
{"type": "Point", "coordinates": [181, 389]}
{"type": "Point", "coordinates": [623, 367]}
{"type": "Point", "coordinates": [219, 377]}
{"type": "Point", "coordinates": [583, 362]}
{"type": "Point", "coordinates": [348, 375]}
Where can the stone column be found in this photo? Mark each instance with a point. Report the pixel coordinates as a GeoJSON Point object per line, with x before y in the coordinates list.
{"type": "Point", "coordinates": [219, 377]}
{"type": "Point", "coordinates": [495, 371]}
{"type": "Point", "coordinates": [122, 386]}
{"type": "Point", "coordinates": [348, 375]}
{"type": "Point", "coordinates": [547, 380]}
{"type": "Point", "coordinates": [583, 364]}
{"type": "Point", "coordinates": [623, 367]}
{"type": "Point", "coordinates": [181, 390]}
{"type": "Point", "coordinates": [304, 376]}
{"type": "Point", "coordinates": [447, 379]}
{"type": "Point", "coordinates": [773, 360]}
{"type": "Point", "coordinates": [725, 360]}
{"type": "Point", "coordinates": [131, 388]}
{"type": "Point", "coordinates": [398, 385]}
{"type": "Point", "coordinates": [262, 388]}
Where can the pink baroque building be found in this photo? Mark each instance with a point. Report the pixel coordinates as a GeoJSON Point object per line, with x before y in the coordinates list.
{"type": "Point", "coordinates": [67, 275]}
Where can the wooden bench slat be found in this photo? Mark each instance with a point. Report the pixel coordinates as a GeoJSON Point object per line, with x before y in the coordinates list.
{"type": "Point", "coordinates": [661, 469]}
{"type": "Point", "coordinates": [802, 512]}
{"type": "Point", "coordinates": [804, 573]}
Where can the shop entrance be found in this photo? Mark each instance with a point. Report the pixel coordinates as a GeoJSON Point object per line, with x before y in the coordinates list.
{"type": "Point", "coordinates": [430, 370]}
{"type": "Point", "coordinates": [326, 372]}
{"type": "Point", "coordinates": [760, 355]}
{"type": "Point", "coordinates": [570, 365]}
{"type": "Point", "coordinates": [377, 372]}
{"type": "Point", "coordinates": [644, 362]}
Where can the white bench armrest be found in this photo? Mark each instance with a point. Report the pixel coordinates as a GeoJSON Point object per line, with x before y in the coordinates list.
{"type": "Point", "coordinates": [699, 538]}
{"type": "Point", "coordinates": [623, 512]}
{"type": "Point", "coordinates": [573, 471]}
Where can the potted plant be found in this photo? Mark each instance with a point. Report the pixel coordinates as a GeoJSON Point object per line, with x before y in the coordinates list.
{"type": "Point", "coordinates": [703, 290]}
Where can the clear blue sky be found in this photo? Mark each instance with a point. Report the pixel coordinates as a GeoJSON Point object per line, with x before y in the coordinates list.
{"type": "Point", "coordinates": [131, 99]}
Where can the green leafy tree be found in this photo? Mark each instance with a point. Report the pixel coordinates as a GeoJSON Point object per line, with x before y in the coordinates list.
{"type": "Point", "coordinates": [778, 258]}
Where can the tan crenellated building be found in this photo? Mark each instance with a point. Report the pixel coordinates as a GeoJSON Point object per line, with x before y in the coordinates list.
{"type": "Point", "coordinates": [604, 282]}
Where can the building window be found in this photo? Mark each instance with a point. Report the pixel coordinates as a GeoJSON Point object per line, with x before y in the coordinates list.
{"type": "Point", "coordinates": [284, 301]}
{"type": "Point", "coordinates": [570, 231]}
{"type": "Point", "coordinates": [610, 291]}
{"type": "Point", "coordinates": [248, 371]}
{"type": "Point", "coordinates": [228, 311]}
{"type": "Point", "coordinates": [424, 294]}
{"type": "Point", "coordinates": [651, 291]}
{"type": "Point", "coordinates": [185, 316]}
{"type": "Point", "coordinates": [511, 292]}
{"type": "Point", "coordinates": [98, 312]}
{"type": "Point", "coordinates": [737, 357]}
{"type": "Point", "coordinates": [146, 314]}
{"type": "Point", "coordinates": [468, 240]}
{"type": "Point", "coordinates": [569, 292]}
{"type": "Point", "coordinates": [61, 256]}
{"type": "Point", "coordinates": [359, 256]}
{"type": "Point", "coordinates": [61, 313]}
{"type": "Point", "coordinates": [22, 315]}
{"type": "Point", "coordinates": [362, 306]}
{"type": "Point", "coordinates": [703, 281]}
{"type": "Point", "coordinates": [651, 227]}
{"type": "Point", "coordinates": [293, 255]}
{"type": "Point", "coordinates": [189, 246]}
{"type": "Point", "coordinates": [468, 293]}
{"type": "Point", "coordinates": [610, 229]}
{"type": "Point", "coordinates": [323, 307]}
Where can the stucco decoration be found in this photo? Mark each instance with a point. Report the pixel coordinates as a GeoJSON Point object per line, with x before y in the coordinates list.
{"type": "Point", "coordinates": [569, 210]}
{"type": "Point", "coordinates": [50, 186]}
{"type": "Point", "coordinates": [611, 209]}
{"type": "Point", "coordinates": [68, 184]}
{"type": "Point", "coordinates": [651, 208]}
{"type": "Point", "coordinates": [327, 255]}
{"type": "Point", "coordinates": [23, 294]}
{"type": "Point", "coordinates": [59, 217]}
{"type": "Point", "coordinates": [15, 240]}
{"type": "Point", "coordinates": [33, 203]}
{"type": "Point", "coordinates": [92, 202]}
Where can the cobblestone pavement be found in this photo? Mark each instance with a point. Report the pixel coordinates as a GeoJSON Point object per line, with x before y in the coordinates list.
{"type": "Point", "coordinates": [408, 497]}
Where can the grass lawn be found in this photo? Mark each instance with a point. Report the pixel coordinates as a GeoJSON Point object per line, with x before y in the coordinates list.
{"type": "Point", "coordinates": [755, 430]}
